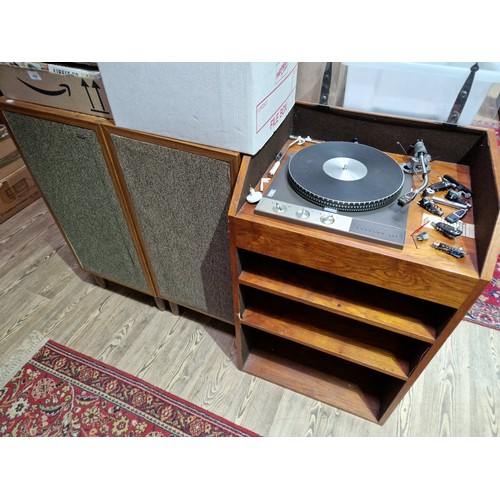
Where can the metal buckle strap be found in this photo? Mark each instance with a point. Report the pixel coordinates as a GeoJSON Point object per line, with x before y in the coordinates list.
{"type": "Point", "coordinates": [462, 96]}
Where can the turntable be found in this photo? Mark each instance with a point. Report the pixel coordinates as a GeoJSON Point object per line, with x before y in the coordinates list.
{"type": "Point", "coordinates": [342, 187]}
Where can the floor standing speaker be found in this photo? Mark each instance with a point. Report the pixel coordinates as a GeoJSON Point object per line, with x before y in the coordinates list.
{"type": "Point", "coordinates": [64, 153]}
{"type": "Point", "coordinates": [180, 194]}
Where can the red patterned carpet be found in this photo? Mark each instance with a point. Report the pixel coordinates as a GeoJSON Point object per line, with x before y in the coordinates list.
{"type": "Point", "coordinates": [486, 310]}
{"type": "Point", "coordinates": [60, 392]}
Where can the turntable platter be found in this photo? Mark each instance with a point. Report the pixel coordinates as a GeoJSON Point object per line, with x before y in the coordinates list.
{"type": "Point", "coordinates": [345, 176]}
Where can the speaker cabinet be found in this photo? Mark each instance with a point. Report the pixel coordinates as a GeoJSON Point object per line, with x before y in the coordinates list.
{"type": "Point", "coordinates": [180, 193]}
{"type": "Point", "coordinates": [64, 153]}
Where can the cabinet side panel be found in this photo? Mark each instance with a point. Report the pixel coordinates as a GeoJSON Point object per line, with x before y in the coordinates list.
{"type": "Point", "coordinates": [70, 169]}
{"type": "Point", "coordinates": [181, 200]}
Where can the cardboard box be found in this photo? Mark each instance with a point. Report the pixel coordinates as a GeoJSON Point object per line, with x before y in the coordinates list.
{"type": "Point", "coordinates": [234, 106]}
{"type": "Point", "coordinates": [56, 87]}
{"type": "Point", "coordinates": [17, 187]}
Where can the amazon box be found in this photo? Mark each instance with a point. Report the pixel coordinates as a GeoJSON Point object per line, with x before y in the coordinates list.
{"type": "Point", "coordinates": [233, 106]}
{"type": "Point", "coordinates": [17, 187]}
{"type": "Point", "coordinates": [55, 86]}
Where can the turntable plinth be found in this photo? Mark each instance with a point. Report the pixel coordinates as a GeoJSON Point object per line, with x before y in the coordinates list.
{"type": "Point", "coordinates": [353, 323]}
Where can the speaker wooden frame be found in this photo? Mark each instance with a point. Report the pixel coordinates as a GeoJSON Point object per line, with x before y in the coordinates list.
{"type": "Point", "coordinates": [231, 157]}
{"type": "Point", "coordinates": [71, 118]}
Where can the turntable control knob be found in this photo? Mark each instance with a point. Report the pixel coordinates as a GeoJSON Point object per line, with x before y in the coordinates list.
{"type": "Point", "coordinates": [279, 208]}
{"type": "Point", "coordinates": [327, 219]}
{"type": "Point", "coordinates": [302, 213]}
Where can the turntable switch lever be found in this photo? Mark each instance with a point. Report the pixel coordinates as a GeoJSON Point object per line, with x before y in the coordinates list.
{"type": "Point", "coordinates": [274, 168]}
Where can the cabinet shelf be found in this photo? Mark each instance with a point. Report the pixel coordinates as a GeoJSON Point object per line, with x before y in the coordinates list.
{"type": "Point", "coordinates": [335, 335]}
{"type": "Point", "coordinates": [398, 313]}
{"type": "Point", "coordinates": [333, 381]}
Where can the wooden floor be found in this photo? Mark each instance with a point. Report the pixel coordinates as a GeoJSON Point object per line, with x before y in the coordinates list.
{"type": "Point", "coordinates": [43, 291]}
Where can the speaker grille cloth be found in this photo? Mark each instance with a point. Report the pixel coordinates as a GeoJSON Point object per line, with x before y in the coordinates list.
{"type": "Point", "coordinates": [68, 165]}
{"type": "Point", "coordinates": [182, 200]}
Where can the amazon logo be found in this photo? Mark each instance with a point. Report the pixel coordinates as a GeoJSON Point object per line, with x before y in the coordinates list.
{"type": "Point", "coordinates": [48, 92]}
{"type": "Point", "coordinates": [93, 89]}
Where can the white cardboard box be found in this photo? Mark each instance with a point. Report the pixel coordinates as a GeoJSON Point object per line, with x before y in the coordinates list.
{"type": "Point", "coordinates": [419, 90]}
{"type": "Point", "coordinates": [235, 106]}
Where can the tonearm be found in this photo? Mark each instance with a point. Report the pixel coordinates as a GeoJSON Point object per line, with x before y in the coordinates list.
{"type": "Point", "coordinates": [419, 164]}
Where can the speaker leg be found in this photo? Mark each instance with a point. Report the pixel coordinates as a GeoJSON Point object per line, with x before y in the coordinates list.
{"type": "Point", "coordinates": [100, 281]}
{"type": "Point", "coordinates": [174, 308]}
{"type": "Point", "coordinates": [160, 304]}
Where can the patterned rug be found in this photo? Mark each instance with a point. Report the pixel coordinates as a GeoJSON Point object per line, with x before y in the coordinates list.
{"type": "Point", "coordinates": [61, 392]}
{"type": "Point", "coordinates": [486, 310]}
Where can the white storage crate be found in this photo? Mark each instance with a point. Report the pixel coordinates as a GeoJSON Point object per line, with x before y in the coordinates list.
{"type": "Point", "coordinates": [418, 90]}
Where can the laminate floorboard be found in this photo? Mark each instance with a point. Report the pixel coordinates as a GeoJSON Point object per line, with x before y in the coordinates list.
{"type": "Point", "coordinates": [43, 291]}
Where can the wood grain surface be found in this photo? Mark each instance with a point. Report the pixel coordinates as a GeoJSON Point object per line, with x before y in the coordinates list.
{"type": "Point", "coordinates": [43, 290]}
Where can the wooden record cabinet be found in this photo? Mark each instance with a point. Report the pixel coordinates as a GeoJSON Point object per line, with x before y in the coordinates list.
{"type": "Point", "coordinates": [349, 322]}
